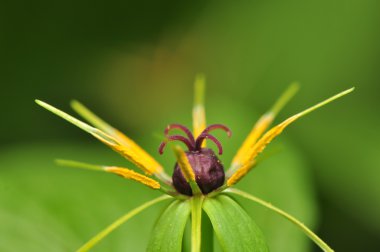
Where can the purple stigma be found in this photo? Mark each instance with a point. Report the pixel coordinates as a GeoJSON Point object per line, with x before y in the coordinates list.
{"type": "Point", "coordinates": [180, 127]}
{"type": "Point", "coordinates": [203, 136]}
{"type": "Point", "coordinates": [192, 143]}
{"type": "Point", "coordinates": [183, 139]}
{"type": "Point", "coordinates": [218, 126]}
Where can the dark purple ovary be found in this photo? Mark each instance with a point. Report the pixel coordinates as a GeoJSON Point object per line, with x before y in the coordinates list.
{"type": "Point", "coordinates": [208, 170]}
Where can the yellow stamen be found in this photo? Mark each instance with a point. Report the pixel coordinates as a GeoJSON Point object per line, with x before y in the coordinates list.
{"type": "Point", "coordinates": [261, 126]}
{"type": "Point", "coordinates": [199, 115]}
{"type": "Point", "coordinates": [255, 133]}
{"type": "Point", "coordinates": [124, 172]}
{"type": "Point", "coordinates": [241, 172]}
{"type": "Point", "coordinates": [149, 161]}
{"type": "Point", "coordinates": [125, 141]}
{"type": "Point", "coordinates": [129, 174]}
{"type": "Point", "coordinates": [149, 166]}
{"type": "Point", "coordinates": [184, 164]}
{"type": "Point", "coordinates": [130, 151]}
{"type": "Point", "coordinates": [276, 130]}
{"type": "Point", "coordinates": [186, 169]}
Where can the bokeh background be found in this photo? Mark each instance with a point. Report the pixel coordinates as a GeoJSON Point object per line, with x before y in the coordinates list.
{"type": "Point", "coordinates": [134, 63]}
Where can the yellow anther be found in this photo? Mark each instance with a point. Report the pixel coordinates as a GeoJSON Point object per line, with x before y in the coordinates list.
{"type": "Point", "coordinates": [256, 149]}
{"type": "Point", "coordinates": [240, 173]}
{"type": "Point", "coordinates": [255, 133]}
{"type": "Point", "coordinates": [186, 169]}
{"type": "Point", "coordinates": [262, 124]}
{"type": "Point", "coordinates": [109, 136]}
{"type": "Point", "coordinates": [127, 148]}
{"type": "Point", "coordinates": [124, 172]}
{"type": "Point", "coordinates": [276, 130]}
{"type": "Point", "coordinates": [184, 164]}
{"type": "Point", "coordinates": [129, 174]}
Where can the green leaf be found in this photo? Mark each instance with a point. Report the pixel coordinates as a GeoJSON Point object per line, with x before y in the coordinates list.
{"type": "Point", "coordinates": [168, 232]}
{"type": "Point", "coordinates": [235, 230]}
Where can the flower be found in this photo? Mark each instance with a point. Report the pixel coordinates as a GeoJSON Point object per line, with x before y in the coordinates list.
{"type": "Point", "coordinates": [199, 179]}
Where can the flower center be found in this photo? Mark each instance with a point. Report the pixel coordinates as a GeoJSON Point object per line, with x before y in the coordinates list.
{"type": "Point", "coordinates": [208, 170]}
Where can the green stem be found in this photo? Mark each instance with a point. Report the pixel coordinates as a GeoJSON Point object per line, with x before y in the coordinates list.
{"type": "Point", "coordinates": [100, 236]}
{"type": "Point", "coordinates": [305, 229]}
{"type": "Point", "coordinates": [196, 222]}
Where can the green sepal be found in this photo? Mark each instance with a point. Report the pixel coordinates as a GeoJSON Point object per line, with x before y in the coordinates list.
{"type": "Point", "coordinates": [235, 230]}
{"type": "Point", "coordinates": [168, 232]}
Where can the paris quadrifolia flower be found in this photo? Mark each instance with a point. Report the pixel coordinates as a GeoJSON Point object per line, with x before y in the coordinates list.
{"type": "Point", "coordinates": [199, 181]}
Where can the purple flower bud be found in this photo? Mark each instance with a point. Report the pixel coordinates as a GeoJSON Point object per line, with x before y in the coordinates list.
{"type": "Point", "coordinates": [208, 170]}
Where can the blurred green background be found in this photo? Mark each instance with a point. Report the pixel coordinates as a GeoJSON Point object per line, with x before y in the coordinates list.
{"type": "Point", "coordinates": [134, 64]}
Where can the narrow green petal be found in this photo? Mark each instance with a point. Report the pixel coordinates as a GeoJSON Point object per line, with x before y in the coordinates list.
{"type": "Point", "coordinates": [84, 126]}
{"type": "Point", "coordinates": [118, 142]}
{"type": "Point", "coordinates": [260, 127]}
{"type": "Point", "coordinates": [284, 98]}
{"type": "Point", "coordinates": [100, 236]}
{"type": "Point", "coordinates": [121, 171]}
{"type": "Point", "coordinates": [67, 117]}
{"type": "Point", "coordinates": [89, 116]}
{"type": "Point", "coordinates": [321, 104]}
{"type": "Point", "coordinates": [76, 164]}
{"type": "Point", "coordinates": [199, 88]}
{"type": "Point", "coordinates": [199, 114]}
{"type": "Point", "coordinates": [253, 151]}
{"type": "Point", "coordinates": [299, 224]}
